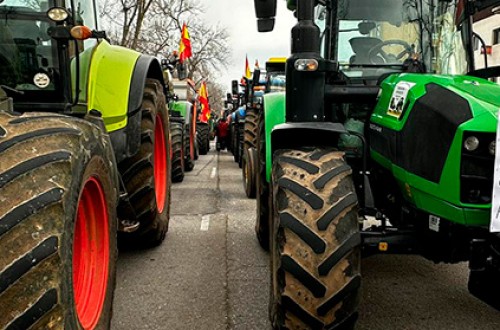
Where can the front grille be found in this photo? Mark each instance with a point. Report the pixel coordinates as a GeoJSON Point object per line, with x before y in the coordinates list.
{"type": "Point", "coordinates": [476, 170]}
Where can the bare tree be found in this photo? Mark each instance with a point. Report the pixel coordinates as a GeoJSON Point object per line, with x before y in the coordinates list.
{"type": "Point", "coordinates": [154, 27]}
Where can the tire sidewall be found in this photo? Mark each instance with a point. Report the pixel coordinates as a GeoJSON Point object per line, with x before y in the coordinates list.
{"type": "Point", "coordinates": [97, 165]}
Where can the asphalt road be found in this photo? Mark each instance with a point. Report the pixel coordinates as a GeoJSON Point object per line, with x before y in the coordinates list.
{"type": "Point", "coordinates": [210, 272]}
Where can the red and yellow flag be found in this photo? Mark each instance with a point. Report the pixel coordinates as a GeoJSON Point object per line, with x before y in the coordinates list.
{"type": "Point", "coordinates": [185, 50]}
{"type": "Point", "coordinates": [205, 106]}
{"type": "Point", "coordinates": [248, 73]}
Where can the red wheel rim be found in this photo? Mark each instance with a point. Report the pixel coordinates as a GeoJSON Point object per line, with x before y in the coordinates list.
{"type": "Point", "coordinates": [191, 146]}
{"type": "Point", "coordinates": [160, 163]}
{"type": "Point", "coordinates": [171, 150]}
{"type": "Point", "coordinates": [91, 254]}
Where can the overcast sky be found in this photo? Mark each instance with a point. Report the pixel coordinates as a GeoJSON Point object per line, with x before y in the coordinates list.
{"type": "Point", "coordinates": [239, 18]}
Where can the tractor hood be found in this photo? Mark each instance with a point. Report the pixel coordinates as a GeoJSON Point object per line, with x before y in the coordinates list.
{"type": "Point", "coordinates": [430, 116]}
{"type": "Point", "coordinates": [483, 95]}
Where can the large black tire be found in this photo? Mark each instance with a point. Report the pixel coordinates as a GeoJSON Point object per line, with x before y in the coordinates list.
{"type": "Point", "coordinates": [315, 250]}
{"type": "Point", "coordinates": [251, 128]}
{"type": "Point", "coordinates": [188, 160]}
{"type": "Point", "coordinates": [196, 148]}
{"type": "Point", "coordinates": [177, 152]}
{"type": "Point", "coordinates": [262, 187]}
{"type": "Point", "coordinates": [236, 144]}
{"type": "Point", "coordinates": [55, 171]}
{"type": "Point", "coordinates": [249, 173]}
{"type": "Point", "coordinates": [138, 173]}
{"type": "Point", "coordinates": [241, 146]}
{"type": "Point", "coordinates": [203, 138]}
{"type": "Point", "coordinates": [232, 138]}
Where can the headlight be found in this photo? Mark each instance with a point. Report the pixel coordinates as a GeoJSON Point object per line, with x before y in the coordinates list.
{"type": "Point", "coordinates": [492, 147]}
{"type": "Point", "coordinates": [306, 65]}
{"type": "Point", "coordinates": [471, 143]}
{"type": "Point", "coordinates": [57, 14]}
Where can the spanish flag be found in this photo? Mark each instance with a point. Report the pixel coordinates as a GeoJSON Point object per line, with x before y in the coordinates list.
{"type": "Point", "coordinates": [248, 73]}
{"type": "Point", "coordinates": [205, 106]}
{"type": "Point", "coordinates": [185, 50]}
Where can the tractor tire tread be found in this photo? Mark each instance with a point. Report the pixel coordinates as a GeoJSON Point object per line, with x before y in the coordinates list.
{"type": "Point", "coordinates": [315, 250]}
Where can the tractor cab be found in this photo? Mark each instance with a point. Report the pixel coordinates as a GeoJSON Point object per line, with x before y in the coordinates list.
{"type": "Point", "coordinates": [37, 50]}
{"type": "Point", "coordinates": [368, 40]}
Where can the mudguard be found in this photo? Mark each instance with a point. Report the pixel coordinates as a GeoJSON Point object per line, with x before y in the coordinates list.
{"type": "Point", "coordinates": [116, 79]}
{"type": "Point", "coordinates": [109, 83]}
{"type": "Point", "coordinates": [281, 135]}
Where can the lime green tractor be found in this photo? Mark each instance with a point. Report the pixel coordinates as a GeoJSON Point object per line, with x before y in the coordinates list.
{"type": "Point", "coordinates": [384, 141]}
{"type": "Point", "coordinates": [84, 159]}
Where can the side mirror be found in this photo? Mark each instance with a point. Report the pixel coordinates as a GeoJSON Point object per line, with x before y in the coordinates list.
{"type": "Point", "coordinates": [235, 88]}
{"type": "Point", "coordinates": [256, 77]}
{"type": "Point", "coordinates": [265, 11]}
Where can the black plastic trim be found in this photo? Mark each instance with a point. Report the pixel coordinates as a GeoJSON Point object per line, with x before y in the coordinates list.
{"type": "Point", "coordinates": [309, 134]}
{"type": "Point", "coordinates": [145, 67]}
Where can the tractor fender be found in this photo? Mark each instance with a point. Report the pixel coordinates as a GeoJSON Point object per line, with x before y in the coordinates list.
{"type": "Point", "coordinates": [115, 87]}
{"type": "Point", "coordinates": [127, 141]}
{"type": "Point", "coordinates": [282, 135]}
{"type": "Point", "coordinates": [314, 134]}
{"type": "Point", "coordinates": [145, 67]}
{"type": "Point", "coordinates": [293, 135]}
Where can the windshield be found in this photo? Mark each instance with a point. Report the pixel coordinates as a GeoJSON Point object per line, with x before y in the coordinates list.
{"type": "Point", "coordinates": [29, 62]}
{"type": "Point", "coordinates": [378, 36]}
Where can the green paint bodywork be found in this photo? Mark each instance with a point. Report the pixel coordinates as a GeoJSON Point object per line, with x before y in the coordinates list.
{"type": "Point", "coordinates": [107, 72]}
{"type": "Point", "coordinates": [443, 198]}
{"type": "Point", "coordinates": [274, 110]}
{"type": "Point", "coordinates": [183, 108]}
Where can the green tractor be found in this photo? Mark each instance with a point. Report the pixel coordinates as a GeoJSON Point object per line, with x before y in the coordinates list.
{"type": "Point", "coordinates": [183, 129]}
{"type": "Point", "coordinates": [84, 159]}
{"type": "Point", "coordinates": [275, 74]}
{"type": "Point", "coordinates": [385, 115]}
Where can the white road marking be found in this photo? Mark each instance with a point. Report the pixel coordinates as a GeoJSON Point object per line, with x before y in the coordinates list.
{"type": "Point", "coordinates": [205, 222]}
{"type": "Point", "coordinates": [214, 172]}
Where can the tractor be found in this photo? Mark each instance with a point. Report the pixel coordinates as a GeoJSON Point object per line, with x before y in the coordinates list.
{"type": "Point", "coordinates": [383, 142]}
{"type": "Point", "coordinates": [274, 77]}
{"type": "Point", "coordinates": [235, 118]}
{"type": "Point", "coordinates": [84, 163]}
{"type": "Point", "coordinates": [183, 129]}
{"type": "Point", "coordinates": [238, 120]}
{"type": "Point", "coordinates": [182, 108]}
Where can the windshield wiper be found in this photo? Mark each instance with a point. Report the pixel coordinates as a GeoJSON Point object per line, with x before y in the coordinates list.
{"type": "Point", "coordinates": [11, 89]}
{"type": "Point", "coordinates": [371, 65]}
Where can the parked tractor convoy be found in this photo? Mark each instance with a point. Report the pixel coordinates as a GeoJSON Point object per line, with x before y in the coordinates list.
{"type": "Point", "coordinates": [377, 135]}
